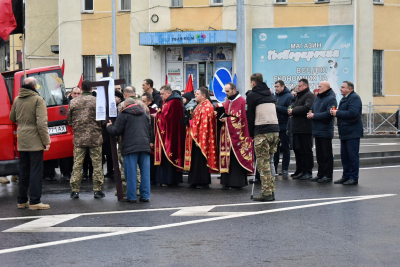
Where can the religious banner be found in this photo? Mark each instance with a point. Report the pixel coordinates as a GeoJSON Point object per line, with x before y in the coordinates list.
{"type": "Point", "coordinates": [320, 53]}
{"type": "Point", "coordinates": [100, 104]}
{"type": "Point", "coordinates": [112, 107]}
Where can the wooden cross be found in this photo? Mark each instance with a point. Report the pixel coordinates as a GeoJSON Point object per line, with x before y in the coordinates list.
{"type": "Point", "coordinates": [106, 71]}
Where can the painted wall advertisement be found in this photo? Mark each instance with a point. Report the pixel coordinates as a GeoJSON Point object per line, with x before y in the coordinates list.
{"type": "Point", "coordinates": [321, 53]}
{"type": "Point", "coordinates": [199, 53]}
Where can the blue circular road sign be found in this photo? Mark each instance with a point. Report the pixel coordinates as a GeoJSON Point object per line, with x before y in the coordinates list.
{"type": "Point", "coordinates": [221, 77]}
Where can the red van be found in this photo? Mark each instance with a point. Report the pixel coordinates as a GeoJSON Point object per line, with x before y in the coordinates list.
{"type": "Point", "coordinates": [50, 86]}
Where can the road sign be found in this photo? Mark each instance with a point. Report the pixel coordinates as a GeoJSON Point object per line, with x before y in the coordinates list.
{"type": "Point", "coordinates": [221, 77]}
{"type": "Point", "coordinates": [235, 80]}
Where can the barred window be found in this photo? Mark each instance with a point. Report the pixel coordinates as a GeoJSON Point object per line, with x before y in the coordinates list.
{"type": "Point", "coordinates": [377, 72]}
{"type": "Point", "coordinates": [89, 68]}
{"type": "Point", "coordinates": [125, 69]}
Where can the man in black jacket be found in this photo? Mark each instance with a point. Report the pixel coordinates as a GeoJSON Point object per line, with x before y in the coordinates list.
{"type": "Point", "coordinates": [147, 86]}
{"type": "Point", "coordinates": [283, 99]}
{"type": "Point", "coordinates": [322, 130]}
{"type": "Point", "coordinates": [264, 129]}
{"type": "Point", "coordinates": [133, 121]}
{"type": "Point", "coordinates": [302, 131]}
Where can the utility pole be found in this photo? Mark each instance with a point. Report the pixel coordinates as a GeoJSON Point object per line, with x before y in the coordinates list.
{"type": "Point", "coordinates": [114, 39]}
{"type": "Point", "coordinates": [241, 47]}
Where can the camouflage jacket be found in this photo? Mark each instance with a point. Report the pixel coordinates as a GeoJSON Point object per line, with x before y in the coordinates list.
{"type": "Point", "coordinates": [82, 118]}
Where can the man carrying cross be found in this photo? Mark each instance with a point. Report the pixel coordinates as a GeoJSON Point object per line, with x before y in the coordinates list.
{"type": "Point", "coordinates": [87, 134]}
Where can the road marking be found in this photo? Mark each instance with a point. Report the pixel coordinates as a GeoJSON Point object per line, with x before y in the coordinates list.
{"type": "Point", "coordinates": [50, 220]}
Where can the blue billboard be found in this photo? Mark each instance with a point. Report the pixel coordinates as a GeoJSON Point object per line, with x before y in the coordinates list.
{"type": "Point", "coordinates": [320, 53]}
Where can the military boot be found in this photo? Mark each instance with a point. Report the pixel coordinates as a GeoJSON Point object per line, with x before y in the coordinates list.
{"type": "Point", "coordinates": [23, 205]}
{"type": "Point", "coordinates": [14, 178]}
{"type": "Point", "coordinates": [263, 198]}
{"type": "Point", "coordinates": [39, 206]}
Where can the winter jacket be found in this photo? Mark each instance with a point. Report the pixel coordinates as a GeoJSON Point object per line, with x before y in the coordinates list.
{"type": "Point", "coordinates": [301, 106]}
{"type": "Point", "coordinates": [349, 117]}
{"type": "Point", "coordinates": [30, 112]}
{"type": "Point", "coordinates": [82, 117]}
{"type": "Point", "coordinates": [283, 101]}
{"type": "Point", "coordinates": [260, 94]}
{"type": "Point", "coordinates": [323, 121]}
{"type": "Point", "coordinates": [157, 98]}
{"type": "Point", "coordinates": [134, 125]}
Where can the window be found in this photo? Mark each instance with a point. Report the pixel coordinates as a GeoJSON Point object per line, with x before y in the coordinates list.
{"type": "Point", "coordinates": [280, 2]}
{"type": "Point", "coordinates": [216, 2]}
{"type": "Point", "coordinates": [124, 5]}
{"type": "Point", "coordinates": [50, 86]}
{"type": "Point", "coordinates": [125, 71]}
{"type": "Point", "coordinates": [321, 1]}
{"type": "Point", "coordinates": [378, 2]}
{"type": "Point", "coordinates": [177, 3]}
{"type": "Point", "coordinates": [89, 68]}
{"type": "Point", "coordinates": [377, 72]}
{"type": "Point", "coordinates": [87, 5]}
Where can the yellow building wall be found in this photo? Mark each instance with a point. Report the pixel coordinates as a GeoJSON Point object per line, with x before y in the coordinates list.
{"type": "Point", "coordinates": [96, 30]}
{"type": "Point", "coordinates": [196, 19]}
{"type": "Point", "coordinates": [17, 46]}
{"type": "Point", "coordinates": [295, 15]}
{"type": "Point", "coordinates": [386, 27]}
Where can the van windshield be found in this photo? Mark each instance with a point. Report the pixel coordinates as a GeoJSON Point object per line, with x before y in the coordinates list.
{"type": "Point", "coordinates": [50, 86]}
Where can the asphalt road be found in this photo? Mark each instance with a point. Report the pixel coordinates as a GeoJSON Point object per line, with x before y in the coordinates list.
{"type": "Point", "coordinates": [308, 225]}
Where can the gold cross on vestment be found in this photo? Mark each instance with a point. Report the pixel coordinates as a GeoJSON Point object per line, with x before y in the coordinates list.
{"type": "Point", "coordinates": [170, 154]}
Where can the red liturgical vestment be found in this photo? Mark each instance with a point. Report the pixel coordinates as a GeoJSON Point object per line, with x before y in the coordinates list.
{"type": "Point", "coordinates": [170, 133]}
{"type": "Point", "coordinates": [235, 135]}
{"type": "Point", "coordinates": [202, 130]}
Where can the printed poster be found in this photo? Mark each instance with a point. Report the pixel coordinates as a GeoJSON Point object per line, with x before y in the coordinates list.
{"type": "Point", "coordinates": [174, 54]}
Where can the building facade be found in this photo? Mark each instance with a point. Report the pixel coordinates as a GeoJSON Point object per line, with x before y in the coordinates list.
{"type": "Point", "coordinates": [166, 40]}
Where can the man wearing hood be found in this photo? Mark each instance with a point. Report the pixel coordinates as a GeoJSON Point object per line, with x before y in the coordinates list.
{"type": "Point", "coordinates": [264, 129]}
{"type": "Point", "coordinates": [147, 86]}
{"type": "Point", "coordinates": [170, 139]}
{"type": "Point", "coordinates": [322, 130]}
{"type": "Point", "coordinates": [302, 131]}
{"type": "Point", "coordinates": [30, 112]}
{"type": "Point", "coordinates": [133, 121]}
{"type": "Point", "coordinates": [283, 99]}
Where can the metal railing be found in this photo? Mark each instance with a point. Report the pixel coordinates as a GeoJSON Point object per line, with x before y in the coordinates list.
{"type": "Point", "coordinates": [380, 119]}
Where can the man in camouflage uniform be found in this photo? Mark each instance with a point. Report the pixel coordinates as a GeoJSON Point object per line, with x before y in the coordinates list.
{"type": "Point", "coordinates": [87, 134]}
{"type": "Point", "coordinates": [264, 128]}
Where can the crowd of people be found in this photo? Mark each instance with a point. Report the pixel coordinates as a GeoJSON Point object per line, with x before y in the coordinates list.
{"type": "Point", "coordinates": [163, 134]}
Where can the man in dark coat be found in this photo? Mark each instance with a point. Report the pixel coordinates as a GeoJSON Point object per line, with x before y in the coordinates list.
{"type": "Point", "coordinates": [322, 130]}
{"type": "Point", "coordinates": [302, 131]}
{"type": "Point", "coordinates": [283, 99]}
{"type": "Point", "coordinates": [134, 122]}
{"type": "Point", "coordinates": [147, 86]}
{"type": "Point", "coordinates": [349, 121]}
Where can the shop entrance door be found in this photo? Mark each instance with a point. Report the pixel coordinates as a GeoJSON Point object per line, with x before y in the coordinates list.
{"type": "Point", "coordinates": [192, 68]}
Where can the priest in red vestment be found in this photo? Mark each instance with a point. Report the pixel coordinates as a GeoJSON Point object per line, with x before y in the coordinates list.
{"type": "Point", "coordinates": [170, 139]}
{"type": "Point", "coordinates": [236, 146]}
{"type": "Point", "coordinates": [201, 142]}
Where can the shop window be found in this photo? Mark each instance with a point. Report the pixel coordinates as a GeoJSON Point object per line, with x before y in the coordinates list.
{"type": "Point", "coordinates": [177, 3]}
{"type": "Point", "coordinates": [377, 73]}
{"type": "Point", "coordinates": [89, 68]}
{"type": "Point", "coordinates": [87, 5]}
{"type": "Point", "coordinates": [216, 2]}
{"type": "Point", "coordinates": [124, 5]}
{"type": "Point", "coordinates": [125, 69]}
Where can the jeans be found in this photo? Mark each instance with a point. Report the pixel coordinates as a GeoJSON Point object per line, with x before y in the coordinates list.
{"type": "Point", "coordinates": [349, 150]}
{"type": "Point", "coordinates": [30, 177]}
{"type": "Point", "coordinates": [284, 147]}
{"type": "Point", "coordinates": [130, 163]}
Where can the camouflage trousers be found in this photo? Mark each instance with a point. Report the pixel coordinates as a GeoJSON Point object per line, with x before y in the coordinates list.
{"type": "Point", "coordinates": [123, 178]}
{"type": "Point", "coordinates": [98, 175]}
{"type": "Point", "coordinates": [266, 145]}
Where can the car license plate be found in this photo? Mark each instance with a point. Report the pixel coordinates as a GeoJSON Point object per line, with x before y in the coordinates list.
{"type": "Point", "coordinates": [58, 129]}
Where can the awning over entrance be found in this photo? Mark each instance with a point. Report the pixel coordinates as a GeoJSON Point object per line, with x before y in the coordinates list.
{"type": "Point", "coordinates": [193, 37]}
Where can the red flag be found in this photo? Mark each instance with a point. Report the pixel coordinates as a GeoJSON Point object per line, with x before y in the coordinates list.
{"type": "Point", "coordinates": [63, 67]}
{"type": "Point", "coordinates": [189, 85]}
{"type": "Point", "coordinates": [80, 82]}
{"type": "Point", "coordinates": [7, 19]}
{"type": "Point", "coordinates": [166, 79]}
